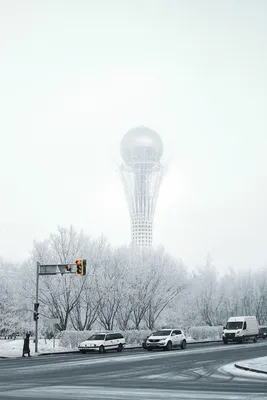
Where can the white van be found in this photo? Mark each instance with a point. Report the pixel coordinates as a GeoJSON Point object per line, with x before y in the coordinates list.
{"type": "Point", "coordinates": [241, 329]}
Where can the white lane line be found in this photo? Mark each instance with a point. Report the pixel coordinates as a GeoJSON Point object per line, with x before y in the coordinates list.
{"type": "Point", "coordinates": [110, 393]}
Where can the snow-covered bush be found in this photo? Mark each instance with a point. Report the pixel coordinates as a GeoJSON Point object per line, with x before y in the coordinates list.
{"type": "Point", "coordinates": [71, 339]}
{"type": "Point", "coordinates": [205, 332]}
{"type": "Point", "coordinates": [135, 336]}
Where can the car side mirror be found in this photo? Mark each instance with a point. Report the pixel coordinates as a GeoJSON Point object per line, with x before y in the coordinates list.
{"type": "Point", "coordinates": [224, 328]}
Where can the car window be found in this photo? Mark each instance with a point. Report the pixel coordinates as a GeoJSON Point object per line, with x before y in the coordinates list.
{"type": "Point", "coordinates": [109, 337]}
{"type": "Point", "coordinates": [119, 336]}
{"type": "Point", "coordinates": [162, 333]}
{"type": "Point", "coordinates": [114, 336]}
{"type": "Point", "coordinates": [97, 337]}
{"type": "Point", "coordinates": [177, 332]}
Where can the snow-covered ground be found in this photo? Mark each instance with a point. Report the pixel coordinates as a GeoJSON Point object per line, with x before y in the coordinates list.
{"type": "Point", "coordinates": [13, 348]}
{"type": "Point", "coordinates": [259, 364]}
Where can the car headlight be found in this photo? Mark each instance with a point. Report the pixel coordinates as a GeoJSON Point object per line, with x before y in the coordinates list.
{"type": "Point", "coordinates": [163, 339]}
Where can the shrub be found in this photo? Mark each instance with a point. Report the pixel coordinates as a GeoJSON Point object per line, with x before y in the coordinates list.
{"type": "Point", "coordinates": [205, 332]}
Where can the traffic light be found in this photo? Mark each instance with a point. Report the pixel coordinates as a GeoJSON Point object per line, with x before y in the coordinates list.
{"type": "Point", "coordinates": [80, 267]}
{"type": "Point", "coordinates": [35, 316]}
{"type": "Point", "coordinates": [35, 313]}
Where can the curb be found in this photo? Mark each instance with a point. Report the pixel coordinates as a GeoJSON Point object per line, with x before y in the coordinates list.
{"type": "Point", "coordinates": [56, 353]}
{"type": "Point", "coordinates": [206, 341]}
{"type": "Point", "coordinates": [250, 369]}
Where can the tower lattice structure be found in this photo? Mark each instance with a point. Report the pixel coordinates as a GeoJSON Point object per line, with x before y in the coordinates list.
{"type": "Point", "coordinates": [141, 174]}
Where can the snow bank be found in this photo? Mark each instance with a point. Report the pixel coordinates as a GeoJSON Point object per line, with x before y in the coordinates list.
{"type": "Point", "coordinates": [259, 364]}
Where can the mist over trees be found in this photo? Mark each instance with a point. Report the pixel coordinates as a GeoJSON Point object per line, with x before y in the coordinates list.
{"type": "Point", "coordinates": [124, 288]}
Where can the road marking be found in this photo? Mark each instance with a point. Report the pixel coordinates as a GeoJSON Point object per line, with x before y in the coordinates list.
{"type": "Point", "coordinates": [94, 392]}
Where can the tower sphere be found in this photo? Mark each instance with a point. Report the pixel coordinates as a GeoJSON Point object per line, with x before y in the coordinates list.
{"type": "Point", "coordinates": [141, 144]}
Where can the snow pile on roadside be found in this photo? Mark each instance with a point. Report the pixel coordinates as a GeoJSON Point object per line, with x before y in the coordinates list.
{"type": "Point", "coordinates": [259, 364]}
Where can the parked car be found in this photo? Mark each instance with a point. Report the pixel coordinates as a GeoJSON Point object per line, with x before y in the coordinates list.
{"type": "Point", "coordinates": [263, 332]}
{"type": "Point", "coordinates": [13, 335]}
{"type": "Point", "coordinates": [241, 329]}
{"type": "Point", "coordinates": [166, 339]}
{"type": "Point", "coordinates": [102, 342]}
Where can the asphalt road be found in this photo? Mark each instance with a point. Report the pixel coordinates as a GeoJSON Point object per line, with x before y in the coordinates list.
{"type": "Point", "coordinates": [194, 373]}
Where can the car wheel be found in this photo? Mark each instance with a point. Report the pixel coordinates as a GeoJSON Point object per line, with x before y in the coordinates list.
{"type": "Point", "coordinates": [183, 345]}
{"type": "Point", "coordinates": [169, 346]}
{"type": "Point", "coordinates": [225, 341]}
{"type": "Point", "coordinates": [255, 339]}
{"type": "Point", "coordinates": [101, 349]}
{"type": "Point", "coordinates": [83, 351]}
{"type": "Point", "coordinates": [242, 340]}
{"type": "Point", "coordinates": [119, 349]}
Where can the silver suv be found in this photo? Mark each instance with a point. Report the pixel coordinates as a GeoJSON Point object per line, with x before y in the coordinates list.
{"type": "Point", "coordinates": [166, 339]}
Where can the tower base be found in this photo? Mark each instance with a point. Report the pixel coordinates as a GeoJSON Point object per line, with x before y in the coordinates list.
{"type": "Point", "coordinates": [142, 229]}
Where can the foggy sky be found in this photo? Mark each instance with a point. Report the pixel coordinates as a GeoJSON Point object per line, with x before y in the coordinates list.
{"type": "Point", "coordinates": [76, 75]}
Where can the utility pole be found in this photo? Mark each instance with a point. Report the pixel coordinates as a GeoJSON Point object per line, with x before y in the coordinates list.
{"type": "Point", "coordinates": [37, 304]}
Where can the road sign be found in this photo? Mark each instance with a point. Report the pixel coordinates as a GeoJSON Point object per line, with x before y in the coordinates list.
{"type": "Point", "coordinates": [57, 269]}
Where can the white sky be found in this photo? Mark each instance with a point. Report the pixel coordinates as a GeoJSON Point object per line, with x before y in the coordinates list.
{"type": "Point", "coordinates": [76, 75]}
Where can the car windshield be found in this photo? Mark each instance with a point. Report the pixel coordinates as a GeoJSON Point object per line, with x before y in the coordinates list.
{"type": "Point", "coordinates": [161, 333]}
{"type": "Point", "coordinates": [263, 330]}
{"type": "Point", "coordinates": [234, 325]}
{"type": "Point", "coordinates": [97, 337]}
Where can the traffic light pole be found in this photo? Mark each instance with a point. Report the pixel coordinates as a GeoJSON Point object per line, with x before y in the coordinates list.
{"type": "Point", "coordinates": [36, 301]}
{"type": "Point", "coordinates": [54, 269]}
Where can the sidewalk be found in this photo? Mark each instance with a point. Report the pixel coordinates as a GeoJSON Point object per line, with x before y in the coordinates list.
{"type": "Point", "coordinates": [253, 365]}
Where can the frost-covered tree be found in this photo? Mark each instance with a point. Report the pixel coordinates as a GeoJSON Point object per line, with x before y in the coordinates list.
{"type": "Point", "coordinates": [60, 295]}
{"type": "Point", "coordinates": [208, 297]}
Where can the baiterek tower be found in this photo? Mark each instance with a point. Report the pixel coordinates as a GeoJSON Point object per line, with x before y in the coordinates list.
{"type": "Point", "coordinates": [141, 173]}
